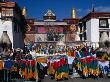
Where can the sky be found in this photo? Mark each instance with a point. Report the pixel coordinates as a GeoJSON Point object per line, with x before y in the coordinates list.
{"type": "Point", "coordinates": [62, 8]}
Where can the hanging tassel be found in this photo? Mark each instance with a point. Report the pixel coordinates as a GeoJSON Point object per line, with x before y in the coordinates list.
{"type": "Point", "coordinates": [35, 75]}
{"type": "Point", "coordinates": [92, 71]}
{"type": "Point", "coordinates": [86, 71]}
{"type": "Point", "coordinates": [80, 66]}
{"type": "Point", "coordinates": [1, 64]}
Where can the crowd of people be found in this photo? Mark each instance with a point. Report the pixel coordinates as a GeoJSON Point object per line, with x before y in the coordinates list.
{"type": "Point", "coordinates": [62, 63]}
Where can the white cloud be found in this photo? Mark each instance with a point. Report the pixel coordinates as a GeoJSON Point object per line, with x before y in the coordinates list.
{"type": "Point", "coordinates": [103, 9]}
{"type": "Point", "coordinates": [79, 10]}
{"type": "Point", "coordinates": [83, 12]}
{"type": "Point", "coordinates": [99, 9]}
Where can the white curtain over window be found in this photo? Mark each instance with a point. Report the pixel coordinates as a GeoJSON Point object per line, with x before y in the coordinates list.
{"type": "Point", "coordinates": [104, 37]}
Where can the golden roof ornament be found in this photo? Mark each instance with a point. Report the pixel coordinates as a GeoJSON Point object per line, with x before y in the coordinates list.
{"type": "Point", "coordinates": [73, 15]}
{"type": "Point", "coordinates": [49, 13]}
{"type": "Point", "coordinates": [73, 28]}
{"type": "Point", "coordinates": [24, 11]}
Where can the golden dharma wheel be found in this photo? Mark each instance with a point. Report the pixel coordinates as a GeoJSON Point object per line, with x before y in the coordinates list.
{"type": "Point", "coordinates": [73, 28]}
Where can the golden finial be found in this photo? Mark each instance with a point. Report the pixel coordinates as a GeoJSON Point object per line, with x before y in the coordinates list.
{"type": "Point", "coordinates": [73, 13]}
{"type": "Point", "coordinates": [24, 11]}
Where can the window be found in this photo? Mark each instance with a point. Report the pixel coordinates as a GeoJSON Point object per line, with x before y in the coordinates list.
{"type": "Point", "coordinates": [103, 34]}
{"type": "Point", "coordinates": [85, 37]}
{"type": "Point", "coordinates": [7, 12]}
{"type": "Point", "coordinates": [103, 23]}
{"type": "Point", "coordinates": [80, 29]}
{"type": "Point", "coordinates": [81, 36]}
{"type": "Point", "coordinates": [3, 12]}
{"type": "Point", "coordinates": [10, 12]}
{"type": "Point", "coordinates": [84, 25]}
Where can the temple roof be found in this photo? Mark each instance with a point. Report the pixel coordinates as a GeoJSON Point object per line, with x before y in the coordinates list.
{"type": "Point", "coordinates": [8, 4]}
{"type": "Point", "coordinates": [49, 13]}
{"type": "Point", "coordinates": [49, 16]}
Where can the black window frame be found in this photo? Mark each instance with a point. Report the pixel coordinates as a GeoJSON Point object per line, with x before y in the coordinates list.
{"type": "Point", "coordinates": [103, 19]}
{"type": "Point", "coordinates": [85, 36]}
{"type": "Point", "coordinates": [80, 26]}
{"type": "Point", "coordinates": [84, 25]}
{"type": "Point", "coordinates": [81, 36]}
{"type": "Point", "coordinates": [102, 32]}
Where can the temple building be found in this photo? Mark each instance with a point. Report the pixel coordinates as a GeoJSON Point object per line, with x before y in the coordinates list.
{"type": "Point", "coordinates": [50, 30]}
{"type": "Point", "coordinates": [94, 26]}
{"type": "Point", "coordinates": [12, 25]}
